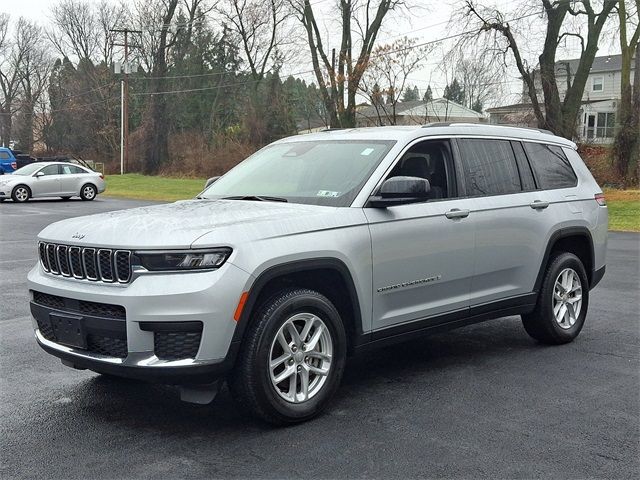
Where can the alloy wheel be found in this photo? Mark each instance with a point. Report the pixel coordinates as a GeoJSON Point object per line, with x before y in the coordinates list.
{"type": "Point", "coordinates": [567, 298]}
{"type": "Point", "coordinates": [300, 357]}
{"type": "Point", "coordinates": [22, 194]}
{"type": "Point", "coordinates": [89, 192]}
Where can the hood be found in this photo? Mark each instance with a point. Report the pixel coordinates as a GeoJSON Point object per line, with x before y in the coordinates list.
{"type": "Point", "coordinates": [180, 224]}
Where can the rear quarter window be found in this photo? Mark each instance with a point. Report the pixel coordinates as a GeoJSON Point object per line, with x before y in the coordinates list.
{"type": "Point", "coordinates": [551, 166]}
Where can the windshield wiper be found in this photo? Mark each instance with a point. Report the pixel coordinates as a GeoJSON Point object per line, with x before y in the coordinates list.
{"type": "Point", "coordinates": [260, 198]}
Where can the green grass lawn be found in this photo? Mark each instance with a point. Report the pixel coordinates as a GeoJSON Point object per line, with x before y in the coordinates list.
{"type": "Point", "coordinates": [624, 205]}
{"type": "Point", "coordinates": [143, 187]}
{"type": "Point", "coordinates": [624, 210]}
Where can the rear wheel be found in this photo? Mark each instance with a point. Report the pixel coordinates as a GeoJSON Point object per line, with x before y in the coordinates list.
{"type": "Point", "coordinates": [21, 193]}
{"type": "Point", "coordinates": [88, 192]}
{"type": "Point", "coordinates": [292, 358]}
{"type": "Point", "coordinates": [562, 304]}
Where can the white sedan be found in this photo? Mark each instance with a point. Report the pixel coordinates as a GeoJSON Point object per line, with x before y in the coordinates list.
{"type": "Point", "coordinates": [51, 179]}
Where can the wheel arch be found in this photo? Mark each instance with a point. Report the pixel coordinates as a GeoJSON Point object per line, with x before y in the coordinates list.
{"type": "Point", "coordinates": [329, 276]}
{"type": "Point", "coordinates": [576, 240]}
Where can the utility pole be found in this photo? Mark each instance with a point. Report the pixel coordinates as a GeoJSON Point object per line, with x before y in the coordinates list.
{"type": "Point", "coordinates": [124, 92]}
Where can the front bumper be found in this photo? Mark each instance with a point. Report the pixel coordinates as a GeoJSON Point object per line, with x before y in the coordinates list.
{"type": "Point", "coordinates": [206, 298]}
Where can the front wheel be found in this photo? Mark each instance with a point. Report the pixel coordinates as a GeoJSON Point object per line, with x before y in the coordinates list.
{"type": "Point", "coordinates": [88, 192]}
{"type": "Point", "coordinates": [21, 194]}
{"type": "Point", "coordinates": [562, 303]}
{"type": "Point", "coordinates": [292, 358]}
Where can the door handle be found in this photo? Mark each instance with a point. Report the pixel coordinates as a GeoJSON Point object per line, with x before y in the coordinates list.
{"type": "Point", "coordinates": [457, 213]}
{"type": "Point", "coordinates": [538, 204]}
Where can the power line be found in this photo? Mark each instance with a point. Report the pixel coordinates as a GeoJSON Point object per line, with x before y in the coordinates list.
{"type": "Point", "coordinates": [398, 50]}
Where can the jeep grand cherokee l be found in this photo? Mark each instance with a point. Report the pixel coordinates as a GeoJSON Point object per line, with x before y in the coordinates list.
{"type": "Point", "coordinates": [319, 246]}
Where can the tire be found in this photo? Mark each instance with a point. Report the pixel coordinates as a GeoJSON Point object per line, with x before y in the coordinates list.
{"type": "Point", "coordinates": [88, 192]}
{"type": "Point", "coordinates": [543, 324]}
{"type": "Point", "coordinates": [253, 382]}
{"type": "Point", "coordinates": [65, 198]}
{"type": "Point", "coordinates": [21, 193]}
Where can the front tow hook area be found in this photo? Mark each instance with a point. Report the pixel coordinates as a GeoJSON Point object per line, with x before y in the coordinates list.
{"type": "Point", "coordinates": [201, 394]}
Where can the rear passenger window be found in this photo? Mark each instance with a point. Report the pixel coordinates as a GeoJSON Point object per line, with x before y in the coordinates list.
{"type": "Point", "coordinates": [551, 166]}
{"type": "Point", "coordinates": [489, 167]}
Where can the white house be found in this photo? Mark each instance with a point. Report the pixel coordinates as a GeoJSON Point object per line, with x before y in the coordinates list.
{"type": "Point", "coordinates": [596, 122]}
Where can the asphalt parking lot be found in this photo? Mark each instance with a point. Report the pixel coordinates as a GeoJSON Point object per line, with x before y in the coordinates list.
{"type": "Point", "coordinates": [482, 401]}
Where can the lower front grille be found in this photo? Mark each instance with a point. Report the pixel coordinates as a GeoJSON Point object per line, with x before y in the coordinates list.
{"type": "Point", "coordinates": [104, 325]}
{"type": "Point", "coordinates": [45, 329]}
{"type": "Point", "coordinates": [176, 345]}
{"type": "Point", "coordinates": [105, 345]}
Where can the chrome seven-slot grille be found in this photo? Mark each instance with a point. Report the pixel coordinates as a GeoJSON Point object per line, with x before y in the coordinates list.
{"type": "Point", "coordinates": [97, 264]}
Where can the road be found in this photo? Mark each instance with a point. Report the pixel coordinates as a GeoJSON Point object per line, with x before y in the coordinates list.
{"type": "Point", "coordinates": [483, 401]}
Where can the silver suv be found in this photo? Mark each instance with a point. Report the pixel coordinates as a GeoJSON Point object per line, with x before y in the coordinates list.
{"type": "Point", "coordinates": [320, 246]}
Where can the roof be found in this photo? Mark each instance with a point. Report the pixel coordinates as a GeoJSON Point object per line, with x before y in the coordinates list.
{"type": "Point", "coordinates": [408, 133]}
{"type": "Point", "coordinates": [608, 63]}
{"type": "Point", "coordinates": [515, 106]}
{"type": "Point", "coordinates": [438, 108]}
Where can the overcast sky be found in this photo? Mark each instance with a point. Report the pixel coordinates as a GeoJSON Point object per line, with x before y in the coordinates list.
{"type": "Point", "coordinates": [427, 20]}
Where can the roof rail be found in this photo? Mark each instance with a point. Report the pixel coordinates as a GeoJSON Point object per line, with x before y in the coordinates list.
{"type": "Point", "coordinates": [461, 124]}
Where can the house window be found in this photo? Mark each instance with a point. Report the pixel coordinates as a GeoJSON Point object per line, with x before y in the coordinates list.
{"type": "Point", "coordinates": [606, 125]}
{"type": "Point", "coordinates": [597, 84]}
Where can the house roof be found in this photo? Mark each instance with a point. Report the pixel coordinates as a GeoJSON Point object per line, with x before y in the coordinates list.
{"type": "Point", "coordinates": [608, 63]}
{"type": "Point", "coordinates": [515, 106]}
{"type": "Point", "coordinates": [437, 108]}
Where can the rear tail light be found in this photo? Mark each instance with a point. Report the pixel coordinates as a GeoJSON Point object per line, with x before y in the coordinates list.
{"type": "Point", "coordinates": [14, 165]}
{"type": "Point", "coordinates": [600, 199]}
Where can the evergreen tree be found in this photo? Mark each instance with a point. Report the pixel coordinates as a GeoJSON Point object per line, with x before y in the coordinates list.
{"type": "Point", "coordinates": [454, 92]}
{"type": "Point", "coordinates": [411, 94]}
{"type": "Point", "coordinates": [428, 94]}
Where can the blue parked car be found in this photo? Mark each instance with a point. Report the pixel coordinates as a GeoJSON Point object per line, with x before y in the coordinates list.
{"type": "Point", "coordinates": [8, 162]}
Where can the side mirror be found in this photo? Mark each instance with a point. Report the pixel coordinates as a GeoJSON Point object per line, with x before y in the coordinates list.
{"type": "Point", "coordinates": [39, 174]}
{"type": "Point", "coordinates": [401, 190]}
{"type": "Point", "coordinates": [211, 181]}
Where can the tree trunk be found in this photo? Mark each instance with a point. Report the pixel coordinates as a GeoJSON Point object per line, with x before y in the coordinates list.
{"type": "Point", "coordinates": [156, 127]}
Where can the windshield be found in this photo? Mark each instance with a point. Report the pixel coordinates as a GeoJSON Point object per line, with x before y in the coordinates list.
{"type": "Point", "coordinates": [328, 172]}
{"type": "Point", "coordinates": [28, 169]}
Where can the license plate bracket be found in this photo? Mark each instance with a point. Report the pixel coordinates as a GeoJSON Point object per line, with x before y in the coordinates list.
{"type": "Point", "coordinates": [69, 330]}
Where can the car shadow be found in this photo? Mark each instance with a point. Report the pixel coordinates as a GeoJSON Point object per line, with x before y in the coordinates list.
{"type": "Point", "coordinates": [432, 359]}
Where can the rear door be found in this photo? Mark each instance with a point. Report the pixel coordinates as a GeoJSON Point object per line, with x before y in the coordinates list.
{"type": "Point", "coordinates": [510, 216]}
{"type": "Point", "coordinates": [47, 184]}
{"type": "Point", "coordinates": [422, 253]}
{"type": "Point", "coordinates": [70, 179]}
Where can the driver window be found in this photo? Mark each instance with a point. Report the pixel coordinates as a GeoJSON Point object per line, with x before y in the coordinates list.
{"type": "Point", "coordinates": [430, 160]}
{"type": "Point", "coordinates": [50, 170]}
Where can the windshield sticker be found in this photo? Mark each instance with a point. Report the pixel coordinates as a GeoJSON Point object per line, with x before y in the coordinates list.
{"type": "Point", "coordinates": [327, 193]}
{"type": "Point", "coordinates": [367, 151]}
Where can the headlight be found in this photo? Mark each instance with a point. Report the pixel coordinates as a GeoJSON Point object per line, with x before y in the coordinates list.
{"type": "Point", "coordinates": [183, 259]}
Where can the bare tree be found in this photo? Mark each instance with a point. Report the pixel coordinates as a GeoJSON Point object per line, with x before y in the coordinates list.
{"type": "Point", "coordinates": [627, 141]}
{"type": "Point", "coordinates": [389, 67]}
{"type": "Point", "coordinates": [34, 72]}
{"type": "Point", "coordinates": [337, 82]}
{"type": "Point", "coordinates": [155, 126]}
{"type": "Point", "coordinates": [259, 26]}
{"type": "Point", "coordinates": [553, 114]}
{"type": "Point", "coordinates": [11, 59]}
{"type": "Point", "coordinates": [479, 72]}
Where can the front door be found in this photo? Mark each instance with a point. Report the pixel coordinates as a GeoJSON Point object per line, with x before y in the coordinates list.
{"type": "Point", "coordinates": [422, 252]}
{"type": "Point", "coordinates": [47, 184]}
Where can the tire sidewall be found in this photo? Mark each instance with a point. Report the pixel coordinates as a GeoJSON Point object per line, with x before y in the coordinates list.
{"type": "Point", "coordinates": [291, 412]}
{"type": "Point", "coordinates": [562, 261]}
